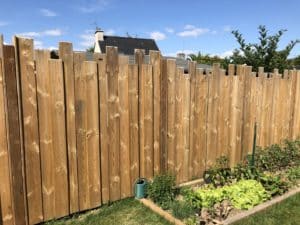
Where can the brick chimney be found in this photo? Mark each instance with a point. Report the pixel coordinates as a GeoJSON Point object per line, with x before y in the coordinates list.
{"type": "Point", "coordinates": [99, 36]}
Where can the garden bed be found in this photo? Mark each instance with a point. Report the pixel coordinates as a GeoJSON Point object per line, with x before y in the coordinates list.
{"type": "Point", "coordinates": [229, 194]}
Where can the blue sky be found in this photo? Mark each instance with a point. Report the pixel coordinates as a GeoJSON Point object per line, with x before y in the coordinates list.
{"type": "Point", "coordinates": [188, 26]}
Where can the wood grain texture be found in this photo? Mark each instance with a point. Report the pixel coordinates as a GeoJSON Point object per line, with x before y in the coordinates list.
{"type": "Point", "coordinates": [27, 79]}
{"type": "Point", "coordinates": [171, 93]}
{"type": "Point", "coordinates": [192, 153]}
{"type": "Point", "coordinates": [178, 151]}
{"type": "Point", "coordinates": [212, 118]}
{"type": "Point", "coordinates": [133, 87]}
{"type": "Point", "coordinates": [60, 165]}
{"type": "Point", "coordinates": [6, 198]}
{"type": "Point", "coordinates": [186, 101]}
{"type": "Point", "coordinates": [126, 186]}
{"type": "Point", "coordinates": [103, 94]}
{"type": "Point", "coordinates": [45, 126]}
{"type": "Point", "coordinates": [66, 54]}
{"type": "Point", "coordinates": [199, 128]}
{"type": "Point", "coordinates": [112, 67]}
{"type": "Point", "coordinates": [147, 123]}
{"type": "Point", "coordinates": [155, 59]}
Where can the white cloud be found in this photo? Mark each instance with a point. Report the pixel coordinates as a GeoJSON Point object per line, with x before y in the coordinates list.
{"type": "Point", "coordinates": [214, 32]}
{"type": "Point", "coordinates": [87, 39]}
{"type": "Point", "coordinates": [93, 6]}
{"type": "Point", "coordinates": [109, 32]}
{"type": "Point", "coordinates": [157, 36]}
{"type": "Point", "coordinates": [169, 30]}
{"type": "Point", "coordinates": [47, 13]}
{"type": "Point", "coordinates": [224, 54]}
{"type": "Point", "coordinates": [53, 32]}
{"type": "Point", "coordinates": [3, 23]}
{"type": "Point", "coordinates": [227, 28]}
{"type": "Point", "coordinates": [192, 31]}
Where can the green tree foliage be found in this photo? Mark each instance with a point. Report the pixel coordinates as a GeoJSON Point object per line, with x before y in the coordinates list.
{"type": "Point", "coordinates": [207, 59]}
{"type": "Point", "coordinates": [90, 49]}
{"type": "Point", "coordinates": [265, 53]}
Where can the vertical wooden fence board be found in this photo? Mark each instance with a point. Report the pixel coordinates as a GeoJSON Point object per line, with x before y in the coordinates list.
{"type": "Point", "coordinates": [293, 79]}
{"type": "Point", "coordinates": [6, 209]}
{"type": "Point", "coordinates": [266, 111]}
{"type": "Point", "coordinates": [223, 115]}
{"type": "Point", "coordinates": [147, 122]}
{"type": "Point", "coordinates": [66, 54]}
{"type": "Point", "coordinates": [45, 127]}
{"type": "Point", "coordinates": [81, 127]}
{"type": "Point", "coordinates": [92, 133]}
{"type": "Point", "coordinates": [200, 115]}
{"type": "Point", "coordinates": [276, 118]}
{"type": "Point", "coordinates": [247, 123]}
{"type": "Point", "coordinates": [113, 122]}
{"type": "Point", "coordinates": [171, 92]}
{"type": "Point", "coordinates": [258, 105]}
{"type": "Point", "coordinates": [103, 130]}
{"type": "Point", "coordinates": [124, 128]}
{"type": "Point", "coordinates": [178, 151]}
{"type": "Point", "coordinates": [192, 72]}
{"type": "Point", "coordinates": [285, 99]}
{"type": "Point", "coordinates": [59, 138]}
{"type": "Point", "coordinates": [134, 122]}
{"type": "Point", "coordinates": [212, 118]}
{"type": "Point", "coordinates": [296, 116]}
{"type": "Point", "coordinates": [236, 115]}
{"type": "Point", "coordinates": [30, 129]}
{"type": "Point", "coordinates": [155, 59]}
{"type": "Point", "coordinates": [186, 100]}
{"type": "Point", "coordinates": [163, 116]}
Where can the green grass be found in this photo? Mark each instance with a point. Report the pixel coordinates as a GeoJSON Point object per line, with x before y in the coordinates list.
{"type": "Point", "coordinates": [125, 212]}
{"type": "Point", "coordinates": [284, 213]}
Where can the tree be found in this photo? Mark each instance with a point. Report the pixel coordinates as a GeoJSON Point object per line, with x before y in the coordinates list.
{"type": "Point", "coordinates": [206, 59]}
{"type": "Point", "coordinates": [90, 49]}
{"type": "Point", "coordinates": [265, 53]}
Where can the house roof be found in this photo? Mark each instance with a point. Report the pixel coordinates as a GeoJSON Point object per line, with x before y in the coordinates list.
{"type": "Point", "coordinates": [126, 45]}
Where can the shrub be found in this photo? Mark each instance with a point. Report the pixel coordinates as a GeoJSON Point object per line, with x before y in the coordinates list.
{"type": "Point", "coordinates": [181, 209]}
{"type": "Point", "coordinates": [293, 174]}
{"type": "Point", "coordinates": [274, 185]}
{"type": "Point", "coordinates": [162, 190]}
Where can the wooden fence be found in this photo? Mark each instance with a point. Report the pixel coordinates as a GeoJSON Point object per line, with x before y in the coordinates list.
{"type": "Point", "coordinates": [75, 134]}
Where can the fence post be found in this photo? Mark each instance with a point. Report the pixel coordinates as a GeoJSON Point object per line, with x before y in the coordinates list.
{"type": "Point", "coordinates": [14, 136]}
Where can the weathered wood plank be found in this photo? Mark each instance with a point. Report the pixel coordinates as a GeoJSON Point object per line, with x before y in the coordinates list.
{"type": "Point", "coordinates": [45, 127]}
{"type": "Point", "coordinates": [113, 121]}
{"type": "Point", "coordinates": [186, 101]}
{"type": "Point", "coordinates": [103, 130]}
{"type": "Point", "coordinates": [24, 48]}
{"type": "Point", "coordinates": [9, 97]}
{"type": "Point", "coordinates": [171, 92]}
{"type": "Point", "coordinates": [66, 54]}
{"type": "Point", "coordinates": [192, 153]}
{"type": "Point", "coordinates": [147, 122]}
{"type": "Point", "coordinates": [57, 111]}
{"type": "Point", "coordinates": [200, 119]}
{"type": "Point", "coordinates": [212, 119]}
{"type": "Point", "coordinates": [126, 188]}
{"type": "Point", "coordinates": [155, 60]}
{"type": "Point", "coordinates": [134, 122]}
{"type": "Point", "coordinates": [163, 116]}
{"type": "Point", "coordinates": [178, 152]}
{"type": "Point", "coordinates": [89, 73]}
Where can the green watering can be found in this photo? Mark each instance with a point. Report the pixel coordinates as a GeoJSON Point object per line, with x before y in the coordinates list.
{"type": "Point", "coordinates": [139, 188]}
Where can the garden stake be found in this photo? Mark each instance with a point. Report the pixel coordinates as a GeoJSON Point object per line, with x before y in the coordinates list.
{"type": "Point", "coordinates": [253, 148]}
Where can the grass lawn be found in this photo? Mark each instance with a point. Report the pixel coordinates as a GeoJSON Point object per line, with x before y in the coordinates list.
{"type": "Point", "coordinates": [284, 213]}
{"type": "Point", "coordinates": [125, 212]}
